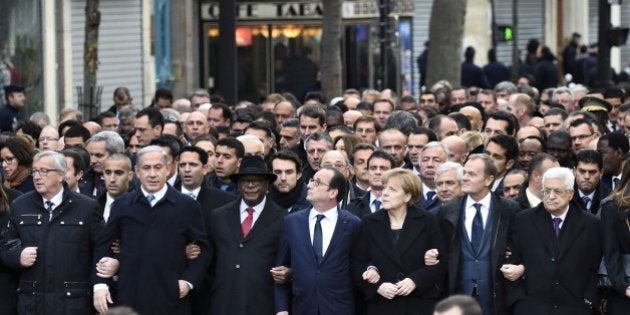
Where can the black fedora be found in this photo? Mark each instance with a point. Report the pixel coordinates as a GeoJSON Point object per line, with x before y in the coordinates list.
{"type": "Point", "coordinates": [253, 165]}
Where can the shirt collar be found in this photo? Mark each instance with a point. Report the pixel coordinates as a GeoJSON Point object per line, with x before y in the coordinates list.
{"type": "Point", "coordinates": [426, 189]}
{"type": "Point", "coordinates": [257, 208]}
{"type": "Point", "coordinates": [56, 200]}
{"type": "Point", "coordinates": [590, 196]}
{"type": "Point", "coordinates": [373, 197]}
{"type": "Point", "coordinates": [485, 201]}
{"type": "Point", "coordinates": [173, 178]}
{"type": "Point", "coordinates": [563, 216]}
{"type": "Point", "coordinates": [330, 214]}
{"type": "Point", "coordinates": [158, 194]}
{"type": "Point", "coordinates": [194, 191]}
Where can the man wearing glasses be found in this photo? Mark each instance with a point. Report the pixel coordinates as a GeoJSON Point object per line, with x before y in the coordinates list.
{"type": "Point", "coordinates": [559, 245]}
{"type": "Point", "coordinates": [49, 239]}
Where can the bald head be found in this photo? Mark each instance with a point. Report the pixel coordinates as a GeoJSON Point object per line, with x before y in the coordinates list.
{"type": "Point", "coordinates": [253, 145]}
{"type": "Point", "coordinates": [196, 125]}
{"type": "Point", "coordinates": [457, 148]}
{"type": "Point", "coordinates": [337, 160]}
{"type": "Point", "coordinates": [350, 117]}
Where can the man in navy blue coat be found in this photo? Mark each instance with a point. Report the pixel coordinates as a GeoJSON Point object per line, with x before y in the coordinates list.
{"type": "Point", "coordinates": [316, 244]}
{"type": "Point", "coordinates": [154, 224]}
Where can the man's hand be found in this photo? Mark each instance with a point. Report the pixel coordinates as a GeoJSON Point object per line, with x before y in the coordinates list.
{"type": "Point", "coordinates": [387, 290]}
{"type": "Point", "coordinates": [192, 251]}
{"type": "Point", "coordinates": [431, 257]}
{"type": "Point", "coordinates": [28, 256]}
{"type": "Point", "coordinates": [371, 275]}
{"type": "Point", "coordinates": [405, 287]}
{"type": "Point", "coordinates": [628, 291]}
{"type": "Point", "coordinates": [107, 267]}
{"type": "Point", "coordinates": [101, 298]}
{"type": "Point", "coordinates": [116, 247]}
{"type": "Point", "coordinates": [281, 274]}
{"type": "Point", "coordinates": [183, 289]}
{"type": "Point", "coordinates": [512, 272]}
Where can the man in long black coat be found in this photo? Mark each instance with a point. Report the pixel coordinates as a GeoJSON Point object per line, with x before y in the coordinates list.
{"type": "Point", "coordinates": [154, 224]}
{"type": "Point", "coordinates": [559, 245]}
{"type": "Point", "coordinates": [245, 236]}
{"type": "Point", "coordinates": [477, 270]}
{"type": "Point", "coordinates": [50, 238]}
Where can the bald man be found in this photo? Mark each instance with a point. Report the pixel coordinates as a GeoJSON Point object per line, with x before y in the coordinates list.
{"type": "Point", "coordinates": [253, 145]}
{"type": "Point", "coordinates": [458, 152]}
{"type": "Point", "coordinates": [196, 125]}
{"type": "Point", "coordinates": [350, 117]}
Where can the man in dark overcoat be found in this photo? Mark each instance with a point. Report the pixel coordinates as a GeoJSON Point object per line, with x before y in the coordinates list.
{"type": "Point", "coordinates": [50, 238]}
{"type": "Point", "coordinates": [245, 236]}
{"type": "Point", "coordinates": [154, 224]}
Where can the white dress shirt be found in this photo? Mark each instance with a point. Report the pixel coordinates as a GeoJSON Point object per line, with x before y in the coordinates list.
{"type": "Point", "coordinates": [56, 200]}
{"type": "Point", "coordinates": [171, 181]}
{"type": "Point", "coordinates": [533, 200]}
{"type": "Point", "coordinates": [470, 212]}
{"type": "Point", "coordinates": [563, 216]}
{"type": "Point", "coordinates": [257, 210]}
{"type": "Point", "coordinates": [372, 198]}
{"type": "Point", "coordinates": [109, 200]}
{"type": "Point", "coordinates": [426, 189]}
{"type": "Point", "coordinates": [192, 193]}
{"type": "Point", "coordinates": [328, 225]}
{"type": "Point", "coordinates": [158, 194]}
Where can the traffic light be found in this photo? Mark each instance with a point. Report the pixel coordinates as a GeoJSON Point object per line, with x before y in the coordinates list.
{"type": "Point", "coordinates": [504, 33]}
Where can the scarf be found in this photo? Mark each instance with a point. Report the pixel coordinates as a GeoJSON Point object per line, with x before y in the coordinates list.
{"type": "Point", "coordinates": [18, 177]}
{"type": "Point", "coordinates": [289, 198]}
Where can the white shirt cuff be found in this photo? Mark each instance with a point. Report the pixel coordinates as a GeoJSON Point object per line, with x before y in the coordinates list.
{"type": "Point", "coordinates": [100, 286]}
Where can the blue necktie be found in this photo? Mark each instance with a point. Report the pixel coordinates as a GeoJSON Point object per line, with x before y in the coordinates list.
{"type": "Point", "coordinates": [318, 246]}
{"type": "Point", "coordinates": [477, 228]}
{"type": "Point", "coordinates": [49, 208]}
{"type": "Point", "coordinates": [377, 205]}
{"type": "Point", "coordinates": [556, 226]}
{"type": "Point", "coordinates": [586, 200]}
{"type": "Point", "coordinates": [150, 199]}
{"type": "Point", "coordinates": [429, 199]}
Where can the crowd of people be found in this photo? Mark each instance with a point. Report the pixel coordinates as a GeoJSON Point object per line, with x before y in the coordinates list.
{"type": "Point", "coordinates": [368, 203]}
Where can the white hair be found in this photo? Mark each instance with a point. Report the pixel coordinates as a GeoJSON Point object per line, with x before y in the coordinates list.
{"type": "Point", "coordinates": [560, 173]}
{"type": "Point", "coordinates": [447, 166]}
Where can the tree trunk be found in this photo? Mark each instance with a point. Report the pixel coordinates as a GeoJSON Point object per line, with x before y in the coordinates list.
{"type": "Point", "coordinates": [90, 52]}
{"type": "Point", "coordinates": [446, 31]}
{"type": "Point", "coordinates": [330, 60]}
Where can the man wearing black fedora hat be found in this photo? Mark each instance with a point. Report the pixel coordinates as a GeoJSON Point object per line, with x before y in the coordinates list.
{"type": "Point", "coordinates": [245, 235]}
{"type": "Point", "coordinates": [13, 111]}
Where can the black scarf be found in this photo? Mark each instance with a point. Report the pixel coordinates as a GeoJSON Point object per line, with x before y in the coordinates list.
{"type": "Point", "coordinates": [288, 199]}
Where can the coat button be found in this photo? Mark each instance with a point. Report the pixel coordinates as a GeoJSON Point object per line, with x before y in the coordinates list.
{"type": "Point", "coordinates": [240, 245]}
{"type": "Point", "coordinates": [553, 259]}
{"type": "Point", "coordinates": [68, 293]}
{"type": "Point", "coordinates": [62, 222]}
{"type": "Point", "coordinates": [237, 266]}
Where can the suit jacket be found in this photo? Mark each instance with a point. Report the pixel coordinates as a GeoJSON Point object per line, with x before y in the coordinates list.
{"type": "Point", "coordinates": [451, 220]}
{"type": "Point", "coordinates": [152, 250]}
{"type": "Point", "coordinates": [360, 207]}
{"type": "Point", "coordinates": [242, 283]}
{"type": "Point", "coordinates": [428, 205]}
{"type": "Point", "coordinates": [209, 198]}
{"type": "Point", "coordinates": [600, 193]}
{"type": "Point", "coordinates": [561, 272]}
{"type": "Point", "coordinates": [398, 260]}
{"type": "Point", "coordinates": [318, 287]}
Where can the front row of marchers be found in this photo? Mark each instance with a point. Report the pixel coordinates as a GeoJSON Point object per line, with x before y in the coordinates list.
{"type": "Point", "coordinates": [249, 256]}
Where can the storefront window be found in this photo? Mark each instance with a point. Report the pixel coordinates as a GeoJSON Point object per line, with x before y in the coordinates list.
{"type": "Point", "coordinates": [21, 49]}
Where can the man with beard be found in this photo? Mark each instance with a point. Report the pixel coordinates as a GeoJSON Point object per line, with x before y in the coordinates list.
{"type": "Point", "coordinates": [288, 190]}
{"type": "Point", "coordinates": [589, 191]}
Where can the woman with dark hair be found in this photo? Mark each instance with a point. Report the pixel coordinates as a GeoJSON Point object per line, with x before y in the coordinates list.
{"type": "Point", "coordinates": [546, 69]}
{"type": "Point", "coordinates": [615, 218]}
{"type": "Point", "coordinates": [17, 157]}
{"type": "Point", "coordinates": [346, 143]}
{"type": "Point", "coordinates": [388, 259]}
{"type": "Point", "coordinates": [8, 277]}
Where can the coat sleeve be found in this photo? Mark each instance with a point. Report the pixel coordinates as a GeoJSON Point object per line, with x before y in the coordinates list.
{"type": "Point", "coordinates": [10, 243]}
{"type": "Point", "coordinates": [359, 261]}
{"type": "Point", "coordinates": [428, 277]}
{"type": "Point", "coordinates": [104, 240]}
{"type": "Point", "coordinates": [196, 233]}
{"type": "Point", "coordinates": [282, 292]}
{"type": "Point", "coordinates": [610, 219]}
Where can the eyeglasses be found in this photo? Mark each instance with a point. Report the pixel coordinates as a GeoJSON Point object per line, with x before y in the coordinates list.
{"type": "Point", "coordinates": [8, 159]}
{"type": "Point", "coordinates": [557, 192]}
{"type": "Point", "coordinates": [42, 139]}
{"type": "Point", "coordinates": [43, 171]}
{"type": "Point", "coordinates": [317, 182]}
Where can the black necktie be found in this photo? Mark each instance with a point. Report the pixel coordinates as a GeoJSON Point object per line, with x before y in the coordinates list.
{"type": "Point", "coordinates": [318, 246]}
{"type": "Point", "coordinates": [477, 228]}
{"type": "Point", "coordinates": [49, 208]}
{"type": "Point", "coordinates": [377, 205]}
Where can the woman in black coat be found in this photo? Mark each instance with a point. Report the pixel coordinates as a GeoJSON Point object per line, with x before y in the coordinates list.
{"type": "Point", "coordinates": [615, 217]}
{"type": "Point", "coordinates": [388, 258]}
{"type": "Point", "coordinates": [8, 277]}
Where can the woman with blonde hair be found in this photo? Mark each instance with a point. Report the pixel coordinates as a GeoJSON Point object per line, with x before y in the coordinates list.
{"type": "Point", "coordinates": [388, 259]}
